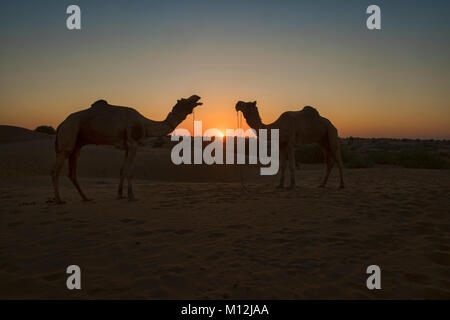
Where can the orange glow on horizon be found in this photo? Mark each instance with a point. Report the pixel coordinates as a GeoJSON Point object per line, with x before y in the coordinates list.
{"type": "Point", "coordinates": [366, 84]}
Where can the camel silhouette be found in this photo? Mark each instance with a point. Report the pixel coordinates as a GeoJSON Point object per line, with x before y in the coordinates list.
{"type": "Point", "coordinates": [298, 128]}
{"type": "Point", "coordinates": [104, 124]}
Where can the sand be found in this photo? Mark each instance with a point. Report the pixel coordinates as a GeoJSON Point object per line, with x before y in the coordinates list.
{"type": "Point", "coordinates": [195, 233]}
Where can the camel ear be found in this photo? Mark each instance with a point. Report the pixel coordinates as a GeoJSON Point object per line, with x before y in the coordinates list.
{"type": "Point", "coordinates": [254, 102]}
{"type": "Point", "coordinates": [179, 100]}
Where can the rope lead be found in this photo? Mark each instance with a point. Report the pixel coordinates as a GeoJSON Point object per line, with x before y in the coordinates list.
{"type": "Point", "coordinates": [241, 173]}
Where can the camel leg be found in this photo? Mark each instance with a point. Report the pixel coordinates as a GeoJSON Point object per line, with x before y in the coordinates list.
{"type": "Point", "coordinates": [336, 154]}
{"type": "Point", "coordinates": [283, 163]}
{"type": "Point", "coordinates": [129, 172]}
{"type": "Point", "coordinates": [291, 156]}
{"type": "Point", "coordinates": [122, 176]}
{"type": "Point", "coordinates": [73, 172]}
{"type": "Point", "coordinates": [329, 165]}
{"type": "Point", "coordinates": [338, 158]}
{"type": "Point", "coordinates": [60, 158]}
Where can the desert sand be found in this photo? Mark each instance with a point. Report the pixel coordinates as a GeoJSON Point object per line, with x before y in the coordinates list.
{"type": "Point", "coordinates": [195, 233]}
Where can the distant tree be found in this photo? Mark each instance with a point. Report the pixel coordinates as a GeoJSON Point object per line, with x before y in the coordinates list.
{"type": "Point", "coordinates": [45, 129]}
{"type": "Point", "coordinates": [350, 140]}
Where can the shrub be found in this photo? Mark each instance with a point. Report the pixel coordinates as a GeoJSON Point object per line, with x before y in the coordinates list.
{"type": "Point", "coordinates": [384, 157]}
{"type": "Point", "coordinates": [422, 158]}
{"type": "Point", "coordinates": [411, 158]}
{"type": "Point", "coordinates": [422, 155]}
{"type": "Point", "coordinates": [354, 159]}
{"type": "Point", "coordinates": [45, 129]}
{"type": "Point", "coordinates": [312, 153]}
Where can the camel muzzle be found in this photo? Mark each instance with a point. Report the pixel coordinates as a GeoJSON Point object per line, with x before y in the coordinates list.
{"type": "Point", "coordinates": [195, 99]}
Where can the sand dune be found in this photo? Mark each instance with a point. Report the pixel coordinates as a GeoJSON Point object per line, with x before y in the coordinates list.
{"type": "Point", "coordinates": [11, 134]}
{"type": "Point", "coordinates": [196, 234]}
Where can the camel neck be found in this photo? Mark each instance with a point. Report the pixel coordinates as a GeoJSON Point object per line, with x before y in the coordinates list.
{"type": "Point", "coordinates": [255, 123]}
{"type": "Point", "coordinates": [170, 121]}
{"type": "Point", "coordinates": [158, 128]}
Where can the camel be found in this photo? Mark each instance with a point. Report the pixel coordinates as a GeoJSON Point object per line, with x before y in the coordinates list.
{"type": "Point", "coordinates": [297, 128]}
{"type": "Point", "coordinates": [104, 124]}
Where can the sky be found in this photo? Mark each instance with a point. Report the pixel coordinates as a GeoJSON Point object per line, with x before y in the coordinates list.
{"type": "Point", "coordinates": [392, 82]}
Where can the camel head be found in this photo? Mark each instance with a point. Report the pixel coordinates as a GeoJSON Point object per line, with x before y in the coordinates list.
{"type": "Point", "coordinates": [249, 109]}
{"type": "Point", "coordinates": [184, 107]}
{"type": "Point", "coordinates": [246, 107]}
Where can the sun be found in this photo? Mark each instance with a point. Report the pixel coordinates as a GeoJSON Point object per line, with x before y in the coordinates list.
{"type": "Point", "coordinates": [221, 135]}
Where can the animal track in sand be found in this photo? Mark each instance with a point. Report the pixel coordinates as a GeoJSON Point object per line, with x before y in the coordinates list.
{"type": "Point", "coordinates": [142, 233]}
{"type": "Point", "coordinates": [15, 224]}
{"type": "Point", "coordinates": [183, 231]}
{"type": "Point", "coordinates": [126, 220]}
{"type": "Point", "coordinates": [216, 234]}
{"type": "Point", "coordinates": [440, 258]}
{"type": "Point", "coordinates": [238, 226]}
{"type": "Point", "coordinates": [138, 222]}
{"type": "Point", "coordinates": [175, 269]}
{"type": "Point", "coordinates": [415, 277]}
{"type": "Point", "coordinates": [53, 276]}
{"type": "Point", "coordinates": [29, 203]}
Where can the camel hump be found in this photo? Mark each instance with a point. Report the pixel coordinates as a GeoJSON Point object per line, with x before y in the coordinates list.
{"type": "Point", "coordinates": [310, 111]}
{"type": "Point", "coordinates": [100, 103]}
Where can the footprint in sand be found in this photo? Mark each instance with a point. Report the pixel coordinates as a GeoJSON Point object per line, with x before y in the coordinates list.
{"type": "Point", "coordinates": [216, 234]}
{"type": "Point", "coordinates": [94, 233]}
{"type": "Point", "coordinates": [212, 257]}
{"type": "Point", "coordinates": [183, 231]}
{"type": "Point", "coordinates": [53, 276]}
{"type": "Point", "coordinates": [138, 222]}
{"type": "Point", "coordinates": [440, 258]}
{"type": "Point", "coordinates": [15, 224]}
{"type": "Point", "coordinates": [164, 230]}
{"type": "Point", "coordinates": [30, 203]}
{"type": "Point", "coordinates": [79, 225]}
{"type": "Point", "coordinates": [142, 233]}
{"type": "Point", "coordinates": [415, 277]}
{"type": "Point", "coordinates": [175, 269]}
{"type": "Point", "coordinates": [238, 226]}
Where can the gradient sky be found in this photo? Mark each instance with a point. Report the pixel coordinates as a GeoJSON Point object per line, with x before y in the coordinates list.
{"type": "Point", "coordinates": [284, 54]}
